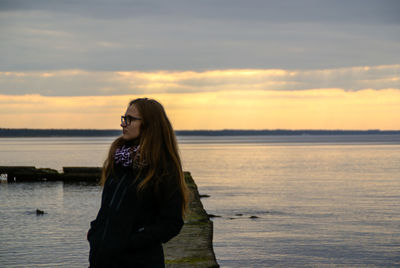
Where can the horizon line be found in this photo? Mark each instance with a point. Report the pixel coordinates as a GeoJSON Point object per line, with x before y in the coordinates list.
{"type": "Point", "coordinates": [223, 129]}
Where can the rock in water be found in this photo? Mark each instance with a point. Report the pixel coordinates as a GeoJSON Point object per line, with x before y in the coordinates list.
{"type": "Point", "coordinates": [39, 212]}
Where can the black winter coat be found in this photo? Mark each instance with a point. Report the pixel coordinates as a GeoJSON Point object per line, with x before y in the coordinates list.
{"type": "Point", "coordinates": [128, 230]}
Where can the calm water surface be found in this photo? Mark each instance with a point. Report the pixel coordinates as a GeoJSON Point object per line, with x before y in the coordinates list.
{"type": "Point", "coordinates": [319, 201]}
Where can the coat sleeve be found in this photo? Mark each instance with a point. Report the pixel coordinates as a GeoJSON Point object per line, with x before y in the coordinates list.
{"type": "Point", "coordinates": [169, 224]}
{"type": "Point", "coordinates": [101, 210]}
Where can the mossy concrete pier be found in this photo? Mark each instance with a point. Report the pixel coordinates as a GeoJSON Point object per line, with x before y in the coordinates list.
{"type": "Point", "coordinates": [191, 248]}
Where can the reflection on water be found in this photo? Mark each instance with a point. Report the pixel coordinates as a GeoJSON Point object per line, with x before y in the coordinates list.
{"type": "Point", "coordinates": [54, 239]}
{"type": "Point", "coordinates": [318, 204]}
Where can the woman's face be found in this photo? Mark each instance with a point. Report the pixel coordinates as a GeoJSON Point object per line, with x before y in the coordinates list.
{"type": "Point", "coordinates": [131, 126]}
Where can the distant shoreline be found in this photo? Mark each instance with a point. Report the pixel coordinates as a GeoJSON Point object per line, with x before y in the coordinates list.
{"type": "Point", "coordinates": [24, 132]}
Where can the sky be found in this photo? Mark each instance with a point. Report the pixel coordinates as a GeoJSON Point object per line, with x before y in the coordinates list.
{"type": "Point", "coordinates": [213, 64]}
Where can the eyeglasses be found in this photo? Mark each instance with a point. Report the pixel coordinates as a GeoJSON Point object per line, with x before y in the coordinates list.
{"type": "Point", "coordinates": [127, 119]}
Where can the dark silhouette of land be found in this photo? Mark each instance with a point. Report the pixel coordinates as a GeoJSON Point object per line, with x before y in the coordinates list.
{"type": "Point", "coordinates": [25, 132]}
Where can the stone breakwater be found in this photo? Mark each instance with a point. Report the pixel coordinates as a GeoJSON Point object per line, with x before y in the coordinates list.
{"type": "Point", "coordinates": [191, 248]}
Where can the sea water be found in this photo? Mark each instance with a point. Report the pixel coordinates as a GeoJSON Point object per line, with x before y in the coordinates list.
{"type": "Point", "coordinates": [304, 201]}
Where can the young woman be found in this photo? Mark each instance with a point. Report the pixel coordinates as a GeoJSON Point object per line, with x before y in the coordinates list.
{"type": "Point", "coordinates": [144, 196]}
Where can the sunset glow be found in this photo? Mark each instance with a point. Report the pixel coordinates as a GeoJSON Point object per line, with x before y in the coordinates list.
{"type": "Point", "coordinates": [264, 65]}
{"type": "Point", "coordinates": [247, 109]}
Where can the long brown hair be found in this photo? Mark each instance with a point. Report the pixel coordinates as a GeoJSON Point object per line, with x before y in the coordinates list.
{"type": "Point", "coordinates": [158, 149]}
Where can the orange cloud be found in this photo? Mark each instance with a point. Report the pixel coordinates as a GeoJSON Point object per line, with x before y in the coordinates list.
{"type": "Point", "coordinates": [100, 83]}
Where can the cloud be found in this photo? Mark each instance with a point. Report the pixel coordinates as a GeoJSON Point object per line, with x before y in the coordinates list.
{"type": "Point", "coordinates": [102, 83]}
{"type": "Point", "coordinates": [197, 35]}
{"type": "Point", "coordinates": [290, 10]}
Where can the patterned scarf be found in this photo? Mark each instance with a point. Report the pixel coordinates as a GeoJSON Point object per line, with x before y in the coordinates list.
{"type": "Point", "coordinates": [126, 156]}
